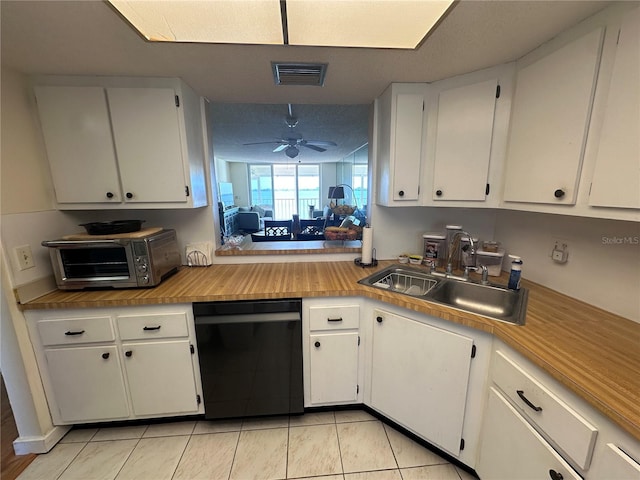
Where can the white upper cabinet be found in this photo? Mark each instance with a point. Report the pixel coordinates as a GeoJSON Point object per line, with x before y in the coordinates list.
{"type": "Point", "coordinates": [463, 141]}
{"type": "Point", "coordinates": [616, 179]}
{"type": "Point", "coordinates": [123, 143]}
{"type": "Point", "coordinates": [549, 122]}
{"type": "Point", "coordinates": [77, 134]}
{"type": "Point", "coordinates": [400, 127]}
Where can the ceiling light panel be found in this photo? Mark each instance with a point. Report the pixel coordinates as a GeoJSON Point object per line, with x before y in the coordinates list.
{"type": "Point", "coordinates": [360, 23]}
{"type": "Point", "coordinates": [219, 21]}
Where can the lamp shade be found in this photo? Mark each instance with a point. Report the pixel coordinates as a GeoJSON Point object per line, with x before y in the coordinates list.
{"type": "Point", "coordinates": [336, 192]}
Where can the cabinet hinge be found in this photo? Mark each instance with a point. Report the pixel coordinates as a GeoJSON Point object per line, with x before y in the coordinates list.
{"type": "Point", "coordinates": [418, 189]}
{"type": "Point", "coordinates": [590, 185]}
{"type": "Point", "coordinates": [198, 399]}
{"type": "Point", "coordinates": [473, 351]}
{"type": "Point", "coordinates": [357, 389]}
{"type": "Point", "coordinates": [186, 190]}
{"type": "Point", "coordinates": [462, 444]}
{"type": "Point", "coordinates": [358, 340]}
{"type": "Point", "coordinates": [618, 39]}
{"type": "Point", "coordinates": [177, 101]}
{"type": "Point", "coordinates": [423, 100]}
{"type": "Point", "coordinates": [193, 350]}
{"type": "Point", "coordinates": [487, 190]}
{"type": "Point", "coordinates": [497, 91]}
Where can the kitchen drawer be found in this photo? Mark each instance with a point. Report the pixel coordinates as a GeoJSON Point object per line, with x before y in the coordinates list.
{"type": "Point", "coordinates": [75, 330]}
{"type": "Point", "coordinates": [563, 426]}
{"type": "Point", "coordinates": [340, 317]}
{"type": "Point", "coordinates": [148, 327]}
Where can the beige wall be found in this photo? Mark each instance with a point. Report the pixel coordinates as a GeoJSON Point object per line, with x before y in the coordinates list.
{"type": "Point", "coordinates": [25, 184]}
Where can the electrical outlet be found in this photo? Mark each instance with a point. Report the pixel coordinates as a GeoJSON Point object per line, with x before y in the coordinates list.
{"type": "Point", "coordinates": [24, 256]}
{"type": "Point", "coordinates": [560, 250]}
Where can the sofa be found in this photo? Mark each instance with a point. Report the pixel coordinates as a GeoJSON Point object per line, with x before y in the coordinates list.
{"type": "Point", "coordinates": [251, 219]}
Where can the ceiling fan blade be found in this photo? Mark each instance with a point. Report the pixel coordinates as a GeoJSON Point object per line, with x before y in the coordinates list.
{"type": "Point", "coordinates": [321, 143]}
{"type": "Point", "coordinates": [281, 147]}
{"type": "Point", "coordinates": [263, 143]}
{"type": "Point", "coordinates": [314, 147]}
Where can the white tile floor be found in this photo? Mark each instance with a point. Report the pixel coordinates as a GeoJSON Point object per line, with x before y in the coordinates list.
{"type": "Point", "coordinates": [341, 445]}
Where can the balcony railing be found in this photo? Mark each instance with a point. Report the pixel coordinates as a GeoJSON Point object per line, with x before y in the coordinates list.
{"type": "Point", "coordinates": [284, 209]}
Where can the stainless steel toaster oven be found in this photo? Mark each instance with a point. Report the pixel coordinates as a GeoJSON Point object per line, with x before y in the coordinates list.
{"type": "Point", "coordinates": [132, 260]}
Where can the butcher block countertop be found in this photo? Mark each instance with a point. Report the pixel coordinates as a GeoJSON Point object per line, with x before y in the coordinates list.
{"type": "Point", "coordinates": [594, 353]}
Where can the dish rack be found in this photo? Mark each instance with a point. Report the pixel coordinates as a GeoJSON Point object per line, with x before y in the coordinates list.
{"type": "Point", "coordinates": [406, 284]}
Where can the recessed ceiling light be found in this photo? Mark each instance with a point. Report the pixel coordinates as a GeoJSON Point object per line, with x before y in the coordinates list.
{"type": "Point", "coordinates": [329, 23]}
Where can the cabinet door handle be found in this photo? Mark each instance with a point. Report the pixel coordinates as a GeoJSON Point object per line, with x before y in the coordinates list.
{"type": "Point", "coordinates": [559, 193]}
{"type": "Point", "coordinates": [105, 355]}
{"type": "Point", "coordinates": [151, 328]}
{"type": "Point", "coordinates": [129, 195]}
{"type": "Point", "coordinates": [109, 195]}
{"type": "Point", "coordinates": [338, 319]}
{"type": "Point", "coordinates": [128, 353]}
{"type": "Point", "coordinates": [77, 332]}
{"type": "Point", "coordinates": [438, 193]}
{"type": "Point", "coordinates": [317, 344]}
{"type": "Point", "coordinates": [555, 475]}
{"type": "Point", "coordinates": [379, 319]}
{"type": "Point", "coordinates": [526, 400]}
{"type": "Point", "coordinates": [401, 193]}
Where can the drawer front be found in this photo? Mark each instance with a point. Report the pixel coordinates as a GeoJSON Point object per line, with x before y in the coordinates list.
{"type": "Point", "coordinates": [565, 427]}
{"type": "Point", "coordinates": [148, 327]}
{"type": "Point", "coordinates": [334, 318]}
{"type": "Point", "coordinates": [75, 330]}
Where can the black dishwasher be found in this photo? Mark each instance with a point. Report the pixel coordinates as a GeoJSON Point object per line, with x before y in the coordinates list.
{"type": "Point", "coordinates": [250, 357]}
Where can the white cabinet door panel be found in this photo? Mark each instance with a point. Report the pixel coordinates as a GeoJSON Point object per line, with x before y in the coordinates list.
{"type": "Point", "coordinates": [160, 377]}
{"type": "Point", "coordinates": [616, 180]}
{"type": "Point", "coordinates": [463, 141]}
{"type": "Point", "coordinates": [77, 135]}
{"type": "Point", "coordinates": [549, 123]}
{"type": "Point", "coordinates": [512, 450]}
{"type": "Point", "coordinates": [408, 146]}
{"type": "Point", "coordinates": [87, 383]}
{"type": "Point", "coordinates": [420, 376]}
{"type": "Point", "coordinates": [615, 464]}
{"type": "Point", "coordinates": [146, 131]}
{"type": "Point", "coordinates": [334, 367]}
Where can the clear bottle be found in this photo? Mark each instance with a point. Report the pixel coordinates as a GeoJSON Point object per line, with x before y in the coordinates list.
{"type": "Point", "coordinates": [516, 272]}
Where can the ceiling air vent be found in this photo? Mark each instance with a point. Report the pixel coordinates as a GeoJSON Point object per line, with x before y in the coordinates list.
{"type": "Point", "coordinates": [299, 73]}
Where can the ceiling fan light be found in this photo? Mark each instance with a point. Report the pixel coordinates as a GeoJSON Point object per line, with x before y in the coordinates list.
{"type": "Point", "coordinates": [291, 152]}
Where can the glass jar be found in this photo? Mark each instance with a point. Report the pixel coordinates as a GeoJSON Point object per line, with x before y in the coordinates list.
{"type": "Point", "coordinates": [435, 249]}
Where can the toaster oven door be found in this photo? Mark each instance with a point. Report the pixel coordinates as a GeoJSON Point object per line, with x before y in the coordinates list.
{"type": "Point", "coordinates": [81, 264]}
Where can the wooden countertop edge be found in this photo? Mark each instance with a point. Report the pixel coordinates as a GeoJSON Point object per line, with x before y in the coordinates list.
{"type": "Point", "coordinates": [507, 333]}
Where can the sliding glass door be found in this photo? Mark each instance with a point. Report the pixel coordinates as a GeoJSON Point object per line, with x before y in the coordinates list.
{"type": "Point", "coordinates": [286, 189]}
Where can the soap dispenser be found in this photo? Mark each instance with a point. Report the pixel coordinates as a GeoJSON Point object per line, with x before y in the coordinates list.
{"type": "Point", "coordinates": [516, 271]}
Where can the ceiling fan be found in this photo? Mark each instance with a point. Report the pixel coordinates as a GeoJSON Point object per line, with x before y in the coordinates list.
{"type": "Point", "coordinates": [290, 144]}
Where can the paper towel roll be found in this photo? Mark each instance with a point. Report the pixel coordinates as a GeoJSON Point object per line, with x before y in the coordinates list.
{"type": "Point", "coordinates": [367, 245]}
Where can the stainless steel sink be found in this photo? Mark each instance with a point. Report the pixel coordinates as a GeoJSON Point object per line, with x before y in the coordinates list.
{"type": "Point", "coordinates": [491, 301]}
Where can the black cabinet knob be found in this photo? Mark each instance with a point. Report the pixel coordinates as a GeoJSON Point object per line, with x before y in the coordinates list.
{"type": "Point", "coordinates": [559, 193]}
{"type": "Point", "coordinates": [105, 355]}
{"type": "Point", "coordinates": [317, 344]}
{"type": "Point", "coordinates": [555, 475]}
{"type": "Point", "coordinates": [401, 193]}
{"type": "Point", "coordinates": [438, 193]}
{"type": "Point", "coordinates": [109, 195]}
{"type": "Point", "coordinates": [129, 195]}
{"type": "Point", "coordinates": [379, 319]}
{"type": "Point", "coordinates": [128, 353]}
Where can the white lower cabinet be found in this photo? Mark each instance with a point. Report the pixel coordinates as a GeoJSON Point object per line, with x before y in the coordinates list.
{"type": "Point", "coordinates": [334, 367]}
{"type": "Point", "coordinates": [331, 351]}
{"type": "Point", "coordinates": [87, 383]}
{"type": "Point", "coordinates": [160, 377]}
{"type": "Point", "coordinates": [511, 448]}
{"type": "Point", "coordinates": [419, 377]}
{"type": "Point", "coordinates": [117, 364]}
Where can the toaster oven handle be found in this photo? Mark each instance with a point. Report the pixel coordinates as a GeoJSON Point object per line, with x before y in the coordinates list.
{"type": "Point", "coordinates": [70, 243]}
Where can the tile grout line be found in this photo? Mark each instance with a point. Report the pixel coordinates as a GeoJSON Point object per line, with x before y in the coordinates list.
{"type": "Point", "coordinates": [130, 453]}
{"type": "Point", "coordinates": [186, 445]}
{"type": "Point", "coordinates": [235, 451]}
{"type": "Point", "coordinates": [339, 447]}
{"type": "Point", "coordinates": [72, 460]}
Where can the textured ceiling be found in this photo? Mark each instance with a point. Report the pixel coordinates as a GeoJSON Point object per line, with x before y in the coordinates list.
{"type": "Point", "coordinates": [90, 38]}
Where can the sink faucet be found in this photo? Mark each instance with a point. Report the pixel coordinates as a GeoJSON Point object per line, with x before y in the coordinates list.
{"type": "Point", "coordinates": [452, 248]}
